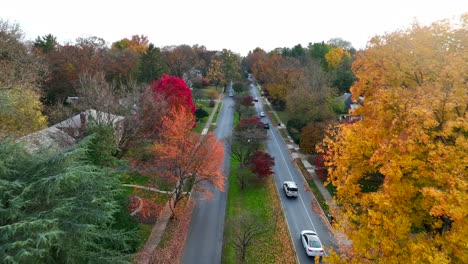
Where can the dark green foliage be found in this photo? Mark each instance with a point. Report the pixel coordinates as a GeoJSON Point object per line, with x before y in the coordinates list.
{"type": "Point", "coordinates": [59, 209]}
{"type": "Point", "coordinates": [318, 51]}
{"type": "Point", "coordinates": [294, 127]}
{"type": "Point", "coordinates": [343, 80]}
{"type": "Point", "coordinates": [297, 52]}
{"type": "Point", "coordinates": [212, 103]}
{"type": "Point", "coordinates": [343, 77]}
{"type": "Point", "coordinates": [238, 87]}
{"type": "Point", "coordinates": [47, 43]}
{"type": "Point", "coordinates": [102, 146]}
{"type": "Point", "coordinates": [152, 65]}
{"type": "Point", "coordinates": [200, 113]}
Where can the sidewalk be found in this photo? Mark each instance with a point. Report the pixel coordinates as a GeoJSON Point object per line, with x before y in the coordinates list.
{"type": "Point", "coordinates": [210, 119]}
{"type": "Point", "coordinates": [157, 231]}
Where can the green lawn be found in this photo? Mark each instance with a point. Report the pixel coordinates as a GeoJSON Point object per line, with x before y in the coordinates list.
{"type": "Point", "coordinates": [283, 116]}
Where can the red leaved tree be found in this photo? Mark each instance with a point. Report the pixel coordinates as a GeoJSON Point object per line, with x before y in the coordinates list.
{"type": "Point", "coordinates": [250, 123]}
{"type": "Point", "coordinates": [175, 91]}
{"type": "Point", "coordinates": [184, 158]}
{"type": "Point", "coordinates": [262, 164]}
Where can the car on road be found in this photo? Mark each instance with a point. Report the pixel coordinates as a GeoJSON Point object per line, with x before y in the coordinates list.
{"type": "Point", "coordinates": [231, 94]}
{"type": "Point", "coordinates": [290, 189]}
{"type": "Point", "coordinates": [255, 99]}
{"type": "Point", "coordinates": [266, 126]}
{"type": "Point", "coordinates": [311, 243]}
{"type": "Point", "coordinates": [262, 114]}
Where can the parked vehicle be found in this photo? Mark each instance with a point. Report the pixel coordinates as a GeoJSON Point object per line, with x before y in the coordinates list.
{"type": "Point", "coordinates": [311, 243]}
{"type": "Point", "coordinates": [290, 189]}
{"type": "Point", "coordinates": [262, 114]}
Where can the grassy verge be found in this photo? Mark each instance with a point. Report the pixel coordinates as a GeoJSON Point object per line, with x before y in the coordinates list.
{"type": "Point", "coordinates": [259, 198]}
{"type": "Point", "coordinates": [283, 116]}
{"type": "Point", "coordinates": [215, 118]}
{"type": "Point", "coordinates": [318, 195]}
{"type": "Point", "coordinates": [284, 135]}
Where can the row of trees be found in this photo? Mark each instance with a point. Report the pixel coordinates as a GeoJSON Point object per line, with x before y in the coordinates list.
{"type": "Point", "coordinates": [305, 82]}
{"type": "Point", "coordinates": [36, 77]}
{"type": "Point", "coordinates": [400, 173]}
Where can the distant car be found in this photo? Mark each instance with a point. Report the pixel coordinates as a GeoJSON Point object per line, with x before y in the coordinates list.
{"type": "Point", "coordinates": [262, 114]}
{"type": "Point", "coordinates": [255, 99]}
{"type": "Point", "coordinates": [231, 94]}
{"type": "Point", "coordinates": [290, 189]}
{"type": "Point", "coordinates": [266, 126]}
{"type": "Point", "coordinates": [311, 243]}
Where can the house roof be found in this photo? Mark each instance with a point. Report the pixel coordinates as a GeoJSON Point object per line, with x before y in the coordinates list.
{"type": "Point", "coordinates": [55, 138]}
{"type": "Point", "coordinates": [51, 138]}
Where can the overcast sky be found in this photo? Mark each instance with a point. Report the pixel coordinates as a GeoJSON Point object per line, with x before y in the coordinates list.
{"type": "Point", "coordinates": [238, 25]}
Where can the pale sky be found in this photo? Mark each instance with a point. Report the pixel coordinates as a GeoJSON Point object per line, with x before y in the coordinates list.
{"type": "Point", "coordinates": [240, 25]}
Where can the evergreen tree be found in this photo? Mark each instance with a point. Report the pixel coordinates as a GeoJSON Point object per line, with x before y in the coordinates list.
{"type": "Point", "coordinates": [59, 209]}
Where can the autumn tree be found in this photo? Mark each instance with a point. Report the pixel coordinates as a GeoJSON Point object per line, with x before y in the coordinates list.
{"type": "Point", "coordinates": [20, 76]}
{"type": "Point", "coordinates": [203, 58]}
{"type": "Point", "coordinates": [253, 57]}
{"type": "Point", "coordinates": [231, 65]}
{"type": "Point", "coordinates": [247, 227]}
{"type": "Point", "coordinates": [279, 75]}
{"type": "Point", "coordinates": [215, 73]}
{"type": "Point", "coordinates": [142, 123]}
{"type": "Point", "coordinates": [335, 57]}
{"type": "Point", "coordinates": [243, 106]}
{"type": "Point", "coordinates": [179, 59]}
{"type": "Point", "coordinates": [262, 164]}
{"type": "Point", "coordinates": [174, 91]}
{"type": "Point", "coordinates": [310, 100]}
{"type": "Point", "coordinates": [68, 62]}
{"type": "Point", "coordinates": [121, 66]}
{"type": "Point", "coordinates": [311, 135]}
{"type": "Point", "coordinates": [400, 172]}
{"type": "Point", "coordinates": [137, 43]}
{"type": "Point", "coordinates": [184, 158]}
{"type": "Point", "coordinates": [246, 139]}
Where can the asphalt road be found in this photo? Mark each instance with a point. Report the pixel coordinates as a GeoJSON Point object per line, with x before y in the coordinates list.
{"type": "Point", "coordinates": [205, 238]}
{"type": "Point", "coordinates": [298, 211]}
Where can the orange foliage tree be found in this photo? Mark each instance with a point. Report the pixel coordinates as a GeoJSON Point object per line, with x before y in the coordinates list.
{"type": "Point", "coordinates": [184, 158]}
{"type": "Point", "coordinates": [400, 173]}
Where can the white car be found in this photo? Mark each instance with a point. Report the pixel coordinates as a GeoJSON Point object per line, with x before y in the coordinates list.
{"type": "Point", "coordinates": [290, 189]}
{"type": "Point", "coordinates": [262, 114]}
{"type": "Point", "coordinates": [311, 243]}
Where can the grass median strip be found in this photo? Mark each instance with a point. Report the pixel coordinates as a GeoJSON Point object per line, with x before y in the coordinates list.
{"type": "Point", "coordinates": [260, 199]}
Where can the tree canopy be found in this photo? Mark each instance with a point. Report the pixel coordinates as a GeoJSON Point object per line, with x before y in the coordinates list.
{"type": "Point", "coordinates": [400, 173]}
{"type": "Point", "coordinates": [59, 209]}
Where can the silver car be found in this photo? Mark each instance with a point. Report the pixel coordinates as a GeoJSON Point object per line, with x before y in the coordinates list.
{"type": "Point", "coordinates": [311, 243]}
{"type": "Point", "coordinates": [290, 189]}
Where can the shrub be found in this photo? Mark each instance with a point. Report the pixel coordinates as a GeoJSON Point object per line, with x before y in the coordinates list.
{"type": "Point", "coordinates": [200, 113]}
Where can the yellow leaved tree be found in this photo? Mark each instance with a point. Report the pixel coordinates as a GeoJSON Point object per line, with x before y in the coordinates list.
{"type": "Point", "coordinates": [335, 57]}
{"type": "Point", "coordinates": [20, 73]}
{"type": "Point", "coordinates": [401, 172]}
